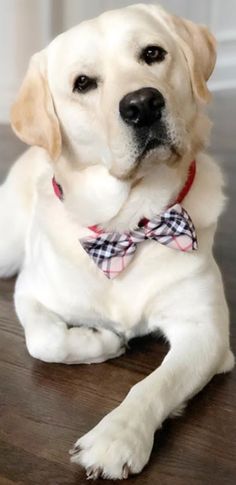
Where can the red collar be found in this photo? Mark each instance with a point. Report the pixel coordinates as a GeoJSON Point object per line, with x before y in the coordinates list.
{"type": "Point", "coordinates": [58, 190]}
{"type": "Point", "coordinates": [183, 193]}
{"type": "Point", "coordinates": [188, 184]}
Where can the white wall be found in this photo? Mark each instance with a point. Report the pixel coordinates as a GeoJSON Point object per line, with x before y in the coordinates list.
{"type": "Point", "coordinates": [26, 26]}
{"type": "Point", "coordinates": [24, 29]}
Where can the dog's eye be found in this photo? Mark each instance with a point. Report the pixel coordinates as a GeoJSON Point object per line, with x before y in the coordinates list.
{"type": "Point", "coordinates": [84, 83]}
{"type": "Point", "coordinates": [153, 53]}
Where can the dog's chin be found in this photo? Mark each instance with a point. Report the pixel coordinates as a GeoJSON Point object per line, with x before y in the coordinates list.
{"type": "Point", "coordinates": [154, 153]}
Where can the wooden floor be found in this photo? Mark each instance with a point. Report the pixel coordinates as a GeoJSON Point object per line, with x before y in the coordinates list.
{"type": "Point", "coordinates": [44, 408]}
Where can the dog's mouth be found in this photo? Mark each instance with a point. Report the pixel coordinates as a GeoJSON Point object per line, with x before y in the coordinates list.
{"type": "Point", "coordinates": [150, 146]}
{"type": "Point", "coordinates": [152, 139]}
{"type": "Point", "coordinates": [157, 144]}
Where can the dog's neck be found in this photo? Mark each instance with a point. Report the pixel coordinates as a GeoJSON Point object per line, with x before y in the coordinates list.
{"type": "Point", "coordinates": [158, 190]}
{"type": "Point", "coordinates": [165, 186]}
{"type": "Point", "coordinates": [176, 200]}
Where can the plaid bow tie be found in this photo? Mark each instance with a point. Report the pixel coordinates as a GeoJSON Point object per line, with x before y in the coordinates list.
{"type": "Point", "coordinates": [112, 251]}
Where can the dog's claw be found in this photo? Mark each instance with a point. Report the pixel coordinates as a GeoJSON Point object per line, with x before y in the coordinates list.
{"type": "Point", "coordinates": [125, 472]}
{"type": "Point", "coordinates": [75, 450]}
{"type": "Point", "coordinates": [93, 473]}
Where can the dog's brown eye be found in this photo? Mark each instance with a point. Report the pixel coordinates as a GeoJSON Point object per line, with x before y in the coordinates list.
{"type": "Point", "coordinates": [153, 53]}
{"type": "Point", "coordinates": [84, 83]}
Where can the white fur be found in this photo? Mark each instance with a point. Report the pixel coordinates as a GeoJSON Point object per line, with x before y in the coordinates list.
{"type": "Point", "coordinates": [58, 284]}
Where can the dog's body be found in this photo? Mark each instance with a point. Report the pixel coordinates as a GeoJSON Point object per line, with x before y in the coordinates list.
{"type": "Point", "coordinates": [177, 293]}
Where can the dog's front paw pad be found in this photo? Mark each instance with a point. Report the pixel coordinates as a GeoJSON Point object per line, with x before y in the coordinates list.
{"type": "Point", "coordinates": [115, 448]}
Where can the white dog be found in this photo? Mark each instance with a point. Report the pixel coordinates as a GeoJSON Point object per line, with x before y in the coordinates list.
{"type": "Point", "coordinates": [115, 111]}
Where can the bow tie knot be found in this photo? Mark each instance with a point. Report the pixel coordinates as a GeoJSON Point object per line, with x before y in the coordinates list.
{"type": "Point", "coordinates": [113, 251]}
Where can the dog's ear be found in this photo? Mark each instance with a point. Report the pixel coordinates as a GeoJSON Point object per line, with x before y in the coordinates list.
{"type": "Point", "coordinates": [199, 48]}
{"type": "Point", "coordinates": [33, 117]}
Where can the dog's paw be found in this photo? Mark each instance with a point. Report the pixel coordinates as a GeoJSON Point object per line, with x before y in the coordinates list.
{"type": "Point", "coordinates": [90, 346]}
{"type": "Point", "coordinates": [47, 342]}
{"type": "Point", "coordinates": [120, 445]}
{"type": "Point", "coordinates": [78, 345]}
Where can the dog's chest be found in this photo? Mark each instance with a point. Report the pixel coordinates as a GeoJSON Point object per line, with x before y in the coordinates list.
{"type": "Point", "coordinates": [70, 284]}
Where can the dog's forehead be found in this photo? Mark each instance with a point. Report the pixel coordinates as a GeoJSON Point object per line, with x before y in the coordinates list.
{"type": "Point", "coordinates": [112, 30]}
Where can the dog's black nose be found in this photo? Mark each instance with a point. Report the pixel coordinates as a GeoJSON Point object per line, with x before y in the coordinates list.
{"type": "Point", "coordinates": [142, 108]}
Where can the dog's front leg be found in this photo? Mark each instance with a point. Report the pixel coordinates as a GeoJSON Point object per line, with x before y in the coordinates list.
{"type": "Point", "coordinates": [122, 442]}
{"type": "Point", "coordinates": [49, 339]}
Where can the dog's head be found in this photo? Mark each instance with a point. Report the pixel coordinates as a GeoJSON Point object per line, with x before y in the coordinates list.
{"type": "Point", "coordinates": [121, 90]}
